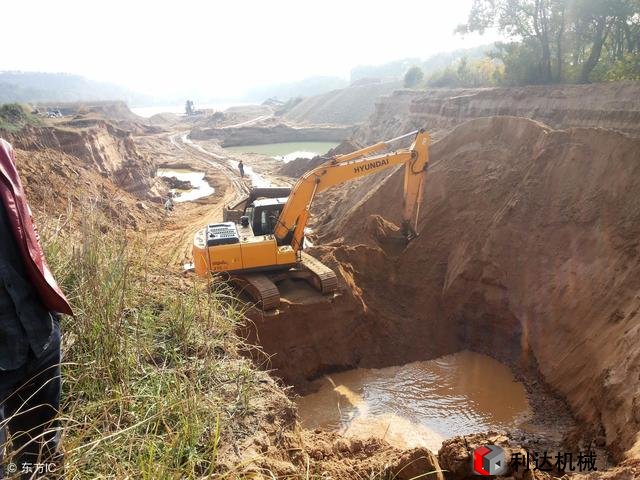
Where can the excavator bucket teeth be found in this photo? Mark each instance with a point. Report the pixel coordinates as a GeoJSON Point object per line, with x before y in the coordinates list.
{"type": "Point", "coordinates": [259, 288]}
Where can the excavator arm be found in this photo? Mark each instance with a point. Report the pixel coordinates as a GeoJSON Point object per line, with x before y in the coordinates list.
{"type": "Point", "coordinates": [295, 214]}
{"type": "Point", "coordinates": [371, 149]}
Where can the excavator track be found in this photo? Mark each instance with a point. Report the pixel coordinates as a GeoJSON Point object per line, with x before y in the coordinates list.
{"type": "Point", "coordinates": [322, 277]}
{"type": "Point", "coordinates": [260, 288]}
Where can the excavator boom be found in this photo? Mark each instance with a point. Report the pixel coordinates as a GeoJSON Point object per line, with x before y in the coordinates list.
{"type": "Point", "coordinates": [352, 166]}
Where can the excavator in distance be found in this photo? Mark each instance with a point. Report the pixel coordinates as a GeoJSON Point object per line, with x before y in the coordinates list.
{"type": "Point", "coordinates": [265, 245]}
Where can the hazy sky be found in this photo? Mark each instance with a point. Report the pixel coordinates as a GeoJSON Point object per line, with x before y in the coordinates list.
{"type": "Point", "coordinates": [161, 47]}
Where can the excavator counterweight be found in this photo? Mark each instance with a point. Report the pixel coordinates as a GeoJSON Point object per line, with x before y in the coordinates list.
{"type": "Point", "coordinates": [261, 239]}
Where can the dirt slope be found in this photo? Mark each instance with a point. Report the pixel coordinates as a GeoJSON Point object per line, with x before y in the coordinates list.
{"type": "Point", "coordinates": [529, 248]}
{"type": "Point", "coordinates": [528, 252]}
{"type": "Point", "coordinates": [345, 106]}
{"type": "Point", "coordinates": [58, 184]}
{"type": "Point", "coordinates": [100, 146]}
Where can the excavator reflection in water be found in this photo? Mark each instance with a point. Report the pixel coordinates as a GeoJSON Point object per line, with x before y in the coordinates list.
{"type": "Point", "coordinates": [260, 241]}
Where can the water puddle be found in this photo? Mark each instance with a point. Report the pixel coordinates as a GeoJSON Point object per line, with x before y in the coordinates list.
{"type": "Point", "coordinates": [286, 151]}
{"type": "Point", "coordinates": [420, 403]}
{"type": "Point", "coordinates": [201, 187]}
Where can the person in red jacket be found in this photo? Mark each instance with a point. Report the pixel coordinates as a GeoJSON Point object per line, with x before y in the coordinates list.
{"type": "Point", "coordinates": [30, 306]}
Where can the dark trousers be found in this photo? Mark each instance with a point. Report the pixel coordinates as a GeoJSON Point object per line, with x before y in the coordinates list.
{"type": "Point", "coordinates": [29, 403]}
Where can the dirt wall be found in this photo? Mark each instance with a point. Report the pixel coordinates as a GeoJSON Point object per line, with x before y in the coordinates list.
{"type": "Point", "coordinates": [606, 105]}
{"type": "Point", "coordinates": [539, 229]}
{"type": "Point", "coordinates": [528, 250]}
{"type": "Point", "coordinates": [100, 146]}
{"type": "Point", "coordinates": [258, 134]}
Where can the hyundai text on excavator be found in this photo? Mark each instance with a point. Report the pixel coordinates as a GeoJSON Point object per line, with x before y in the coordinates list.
{"type": "Point", "coordinates": [263, 245]}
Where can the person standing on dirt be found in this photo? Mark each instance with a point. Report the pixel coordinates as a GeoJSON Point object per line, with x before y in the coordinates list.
{"type": "Point", "coordinates": [241, 168]}
{"type": "Point", "coordinates": [168, 205]}
{"type": "Point", "coordinates": [30, 306]}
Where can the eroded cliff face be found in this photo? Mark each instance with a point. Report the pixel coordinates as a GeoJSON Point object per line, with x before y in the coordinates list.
{"type": "Point", "coordinates": [605, 105]}
{"type": "Point", "coordinates": [101, 146]}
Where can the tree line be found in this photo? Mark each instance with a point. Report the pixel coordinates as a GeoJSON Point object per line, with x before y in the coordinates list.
{"type": "Point", "coordinates": [549, 41]}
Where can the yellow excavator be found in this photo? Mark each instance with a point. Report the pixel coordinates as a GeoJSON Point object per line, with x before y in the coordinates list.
{"type": "Point", "coordinates": [265, 245]}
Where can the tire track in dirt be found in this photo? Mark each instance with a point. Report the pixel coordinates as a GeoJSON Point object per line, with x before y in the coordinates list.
{"type": "Point", "coordinates": [172, 238]}
{"type": "Point", "coordinates": [189, 217]}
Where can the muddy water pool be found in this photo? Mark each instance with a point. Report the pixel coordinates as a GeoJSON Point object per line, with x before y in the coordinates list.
{"type": "Point", "coordinates": [420, 403]}
{"type": "Point", "coordinates": [201, 187]}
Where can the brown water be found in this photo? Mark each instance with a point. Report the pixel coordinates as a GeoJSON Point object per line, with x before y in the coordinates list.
{"type": "Point", "coordinates": [420, 403]}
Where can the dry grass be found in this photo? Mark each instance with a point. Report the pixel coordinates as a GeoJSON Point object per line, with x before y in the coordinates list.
{"type": "Point", "coordinates": [153, 379]}
{"type": "Point", "coordinates": [155, 385]}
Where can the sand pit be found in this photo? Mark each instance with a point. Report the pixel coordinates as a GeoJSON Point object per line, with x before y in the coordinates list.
{"type": "Point", "coordinates": [528, 251]}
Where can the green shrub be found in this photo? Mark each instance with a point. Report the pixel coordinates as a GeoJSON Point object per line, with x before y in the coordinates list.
{"type": "Point", "coordinates": [14, 116]}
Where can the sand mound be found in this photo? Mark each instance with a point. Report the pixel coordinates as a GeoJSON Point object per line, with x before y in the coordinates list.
{"type": "Point", "coordinates": [528, 246]}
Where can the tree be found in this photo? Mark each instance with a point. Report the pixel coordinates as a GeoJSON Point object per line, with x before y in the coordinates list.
{"type": "Point", "coordinates": [484, 72]}
{"type": "Point", "coordinates": [559, 19]}
{"type": "Point", "coordinates": [558, 40]}
{"type": "Point", "coordinates": [413, 77]}
{"type": "Point", "coordinates": [603, 26]}
{"type": "Point", "coordinates": [520, 61]}
{"type": "Point", "coordinates": [539, 21]}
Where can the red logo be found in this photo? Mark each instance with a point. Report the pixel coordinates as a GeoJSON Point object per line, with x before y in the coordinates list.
{"type": "Point", "coordinates": [489, 460]}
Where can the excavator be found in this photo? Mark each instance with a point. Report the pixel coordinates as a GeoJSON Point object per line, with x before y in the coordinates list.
{"type": "Point", "coordinates": [260, 241]}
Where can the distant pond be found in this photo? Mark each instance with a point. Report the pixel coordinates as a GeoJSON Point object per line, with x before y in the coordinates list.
{"type": "Point", "coordinates": [286, 151]}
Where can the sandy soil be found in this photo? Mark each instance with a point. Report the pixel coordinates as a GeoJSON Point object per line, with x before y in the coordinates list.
{"type": "Point", "coordinates": [372, 323]}
{"type": "Point", "coordinates": [528, 250]}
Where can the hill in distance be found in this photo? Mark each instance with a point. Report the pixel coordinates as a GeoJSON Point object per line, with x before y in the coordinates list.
{"type": "Point", "coordinates": [30, 87]}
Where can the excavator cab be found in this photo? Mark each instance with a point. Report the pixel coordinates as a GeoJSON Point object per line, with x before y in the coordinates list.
{"type": "Point", "coordinates": [263, 214]}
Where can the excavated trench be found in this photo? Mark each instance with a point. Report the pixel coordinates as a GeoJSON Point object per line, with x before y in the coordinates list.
{"type": "Point", "coordinates": [367, 370]}
{"type": "Point", "coordinates": [528, 254]}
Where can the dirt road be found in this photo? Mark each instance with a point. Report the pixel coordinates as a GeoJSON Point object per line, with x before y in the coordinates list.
{"type": "Point", "coordinates": [176, 149]}
{"type": "Point", "coordinates": [171, 237]}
